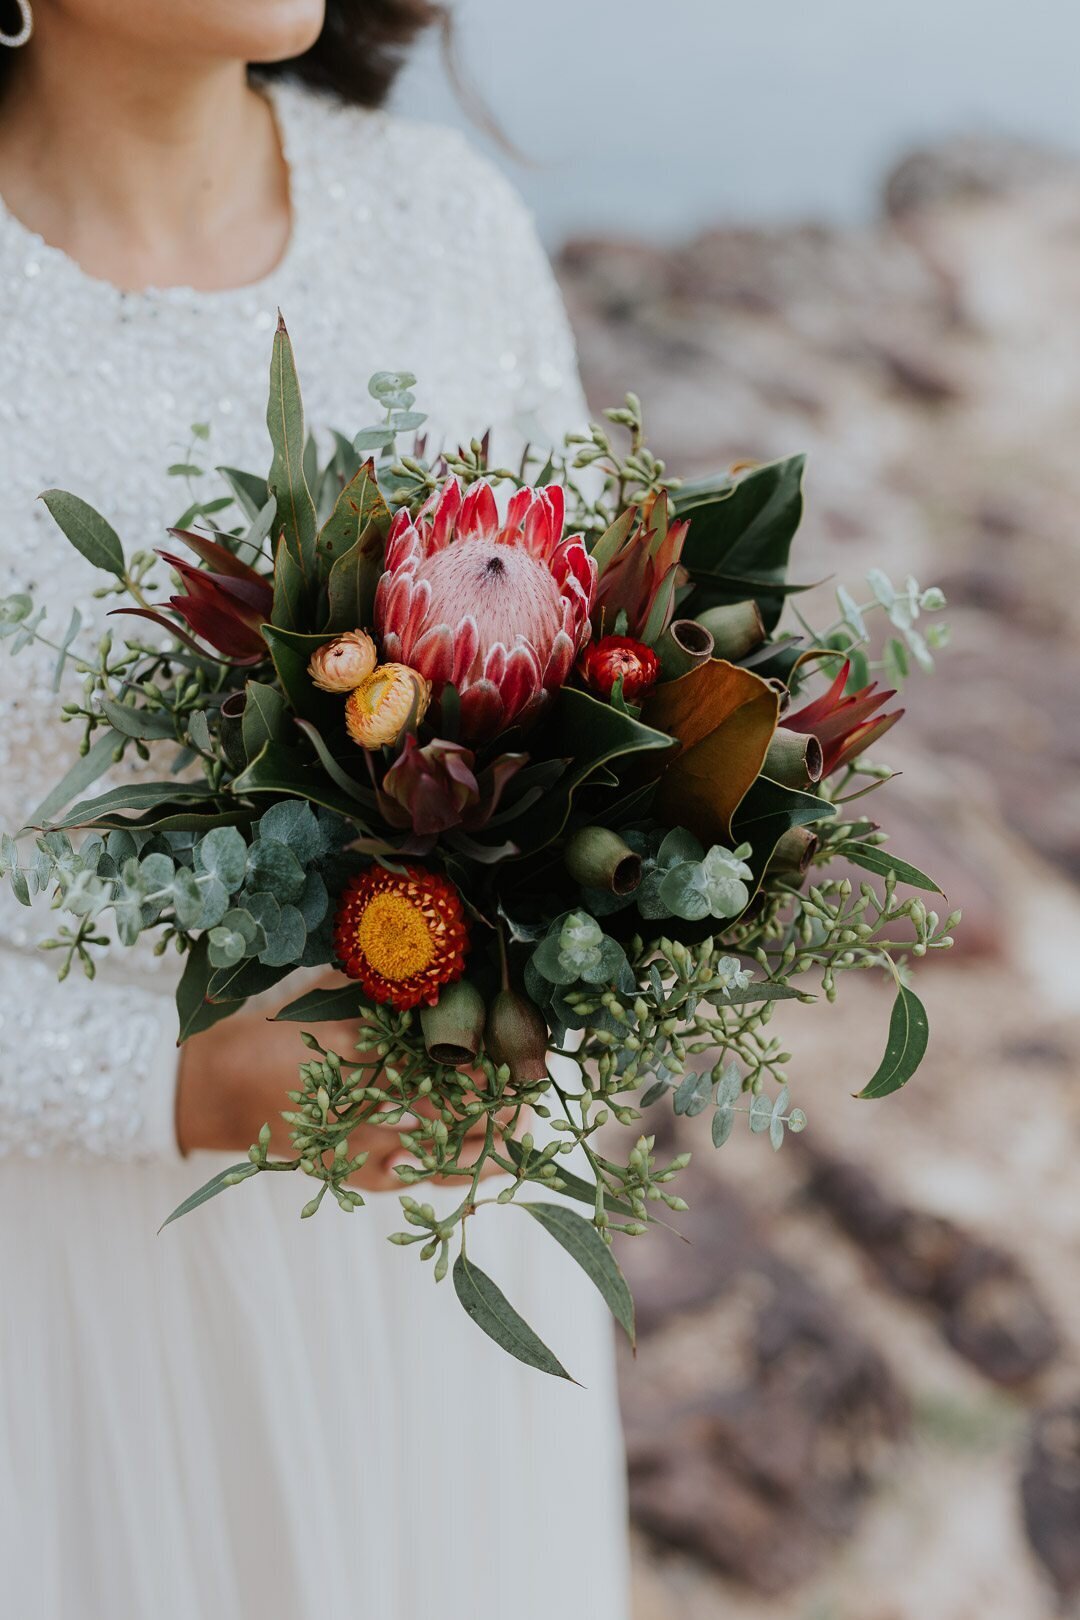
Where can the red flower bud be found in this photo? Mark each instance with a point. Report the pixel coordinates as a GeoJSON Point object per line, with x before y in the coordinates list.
{"type": "Point", "coordinates": [604, 661]}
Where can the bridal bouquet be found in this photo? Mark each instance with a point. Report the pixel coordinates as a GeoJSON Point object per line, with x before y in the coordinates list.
{"type": "Point", "coordinates": [522, 754]}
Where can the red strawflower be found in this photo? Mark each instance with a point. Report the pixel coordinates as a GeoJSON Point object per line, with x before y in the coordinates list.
{"type": "Point", "coordinates": [603, 663]}
{"type": "Point", "coordinates": [843, 725]}
{"type": "Point", "coordinates": [403, 935]}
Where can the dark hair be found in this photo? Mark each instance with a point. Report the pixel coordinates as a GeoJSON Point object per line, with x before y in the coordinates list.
{"type": "Point", "coordinates": [362, 47]}
{"type": "Point", "coordinates": [359, 53]}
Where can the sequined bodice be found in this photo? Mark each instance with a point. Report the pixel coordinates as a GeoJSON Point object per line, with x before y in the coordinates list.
{"type": "Point", "coordinates": [407, 250]}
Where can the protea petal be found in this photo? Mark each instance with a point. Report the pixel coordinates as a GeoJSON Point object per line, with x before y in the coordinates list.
{"type": "Point", "coordinates": [517, 599]}
{"type": "Point", "coordinates": [481, 710]}
{"type": "Point", "coordinates": [445, 516]}
{"type": "Point", "coordinates": [433, 655]}
{"type": "Point", "coordinates": [495, 664]}
{"type": "Point", "coordinates": [479, 516]}
{"type": "Point", "coordinates": [560, 662]}
{"type": "Point", "coordinates": [419, 608]}
{"type": "Point", "coordinates": [521, 679]}
{"type": "Point", "coordinates": [466, 648]}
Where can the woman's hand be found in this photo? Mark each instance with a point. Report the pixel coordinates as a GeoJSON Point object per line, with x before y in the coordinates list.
{"type": "Point", "coordinates": [236, 1076]}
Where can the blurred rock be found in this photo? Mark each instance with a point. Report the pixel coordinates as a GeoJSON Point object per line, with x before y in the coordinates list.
{"type": "Point", "coordinates": [930, 365]}
{"type": "Point", "coordinates": [757, 1421]}
{"type": "Point", "coordinates": [1050, 1493]}
{"type": "Point", "coordinates": [989, 1309]}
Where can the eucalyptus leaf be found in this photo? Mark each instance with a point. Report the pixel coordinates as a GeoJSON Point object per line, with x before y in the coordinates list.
{"type": "Point", "coordinates": [87, 530]}
{"type": "Point", "coordinates": [82, 775]}
{"type": "Point", "coordinates": [487, 1305]}
{"type": "Point", "coordinates": [584, 1244]}
{"type": "Point", "coordinates": [874, 859]}
{"type": "Point", "coordinates": [231, 1176]}
{"type": "Point", "coordinates": [909, 1032]}
{"type": "Point", "coordinates": [223, 853]}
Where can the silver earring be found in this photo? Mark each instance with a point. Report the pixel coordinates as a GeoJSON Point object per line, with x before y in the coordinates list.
{"type": "Point", "coordinates": [26, 18]}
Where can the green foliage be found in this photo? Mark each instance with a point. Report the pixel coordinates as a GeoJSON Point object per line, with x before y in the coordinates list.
{"type": "Point", "coordinates": [740, 536]}
{"type": "Point", "coordinates": [234, 849]}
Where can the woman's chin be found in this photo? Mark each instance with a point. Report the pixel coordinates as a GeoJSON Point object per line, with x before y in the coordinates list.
{"type": "Point", "coordinates": [274, 30]}
{"type": "Point", "coordinates": [281, 29]}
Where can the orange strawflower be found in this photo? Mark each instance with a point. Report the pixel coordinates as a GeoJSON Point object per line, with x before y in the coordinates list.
{"type": "Point", "coordinates": [381, 706]}
{"type": "Point", "coordinates": [403, 935]}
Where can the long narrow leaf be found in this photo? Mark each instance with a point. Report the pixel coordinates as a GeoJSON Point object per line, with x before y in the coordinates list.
{"type": "Point", "coordinates": [487, 1305]}
{"type": "Point", "coordinates": [878, 860]}
{"type": "Point", "coordinates": [229, 1177]}
{"type": "Point", "coordinates": [82, 775]}
{"type": "Point", "coordinates": [285, 419]}
{"type": "Point", "coordinates": [584, 1244]}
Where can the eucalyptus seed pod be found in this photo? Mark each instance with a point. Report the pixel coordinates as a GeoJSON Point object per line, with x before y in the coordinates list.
{"type": "Point", "coordinates": [795, 851]}
{"type": "Point", "coordinates": [453, 1028]}
{"type": "Point", "coordinates": [516, 1035]}
{"type": "Point", "coordinates": [736, 628]}
{"type": "Point", "coordinates": [794, 759]}
{"type": "Point", "coordinates": [684, 645]}
{"type": "Point", "coordinates": [597, 858]}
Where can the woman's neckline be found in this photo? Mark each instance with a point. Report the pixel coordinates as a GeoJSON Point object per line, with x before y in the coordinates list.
{"type": "Point", "coordinates": [282, 98]}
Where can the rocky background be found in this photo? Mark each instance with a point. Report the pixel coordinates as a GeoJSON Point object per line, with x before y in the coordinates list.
{"type": "Point", "coordinates": [857, 1395]}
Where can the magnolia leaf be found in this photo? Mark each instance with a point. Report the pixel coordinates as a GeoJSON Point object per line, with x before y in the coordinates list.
{"type": "Point", "coordinates": [345, 1001]}
{"type": "Point", "coordinates": [194, 1011]}
{"type": "Point", "coordinates": [87, 530]}
{"type": "Point", "coordinates": [583, 1242]}
{"type": "Point", "coordinates": [880, 861]}
{"type": "Point", "coordinates": [231, 1176]}
{"type": "Point", "coordinates": [767, 813]}
{"type": "Point", "coordinates": [723, 717]}
{"type": "Point", "coordinates": [487, 1305]}
{"type": "Point", "coordinates": [601, 736]}
{"type": "Point", "coordinates": [287, 481]}
{"type": "Point", "coordinates": [740, 536]}
{"type": "Point", "coordinates": [909, 1033]}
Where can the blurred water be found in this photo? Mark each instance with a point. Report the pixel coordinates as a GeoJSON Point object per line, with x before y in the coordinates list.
{"type": "Point", "coordinates": [662, 115]}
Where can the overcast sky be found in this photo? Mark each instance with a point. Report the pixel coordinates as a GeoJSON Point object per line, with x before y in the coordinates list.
{"type": "Point", "coordinates": [661, 117]}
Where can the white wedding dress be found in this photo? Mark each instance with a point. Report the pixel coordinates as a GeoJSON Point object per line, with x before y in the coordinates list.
{"type": "Point", "coordinates": [250, 1414]}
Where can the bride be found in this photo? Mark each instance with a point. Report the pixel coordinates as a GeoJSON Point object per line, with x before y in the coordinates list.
{"type": "Point", "coordinates": [248, 1415]}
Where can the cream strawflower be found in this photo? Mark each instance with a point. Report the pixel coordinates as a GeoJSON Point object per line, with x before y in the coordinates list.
{"type": "Point", "coordinates": [340, 665]}
{"type": "Point", "coordinates": [379, 709]}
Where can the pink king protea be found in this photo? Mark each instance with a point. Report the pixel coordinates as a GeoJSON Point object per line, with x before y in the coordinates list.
{"type": "Point", "coordinates": [501, 610]}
